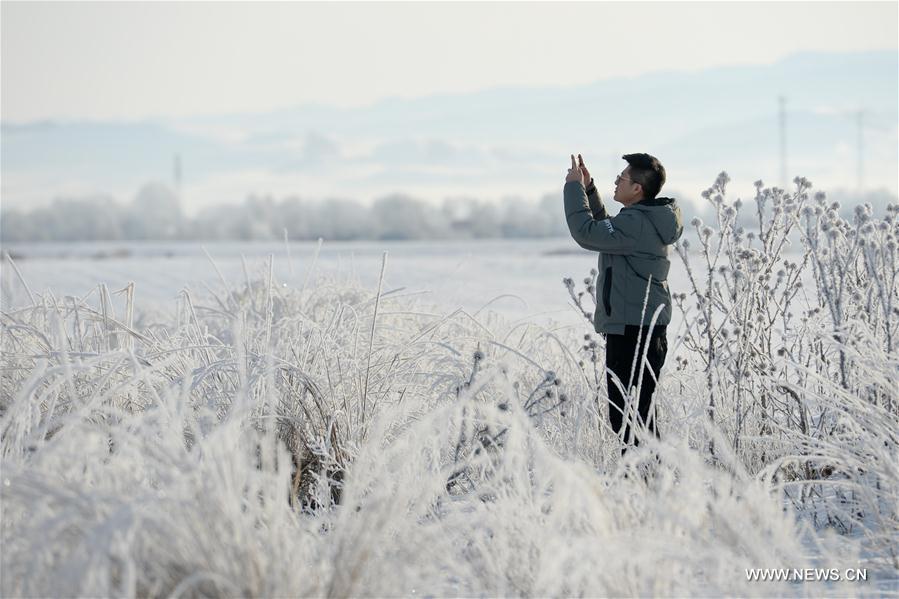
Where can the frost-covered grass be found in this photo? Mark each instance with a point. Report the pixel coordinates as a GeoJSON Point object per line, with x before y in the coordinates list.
{"type": "Point", "coordinates": [340, 440]}
{"type": "Point", "coordinates": [803, 382]}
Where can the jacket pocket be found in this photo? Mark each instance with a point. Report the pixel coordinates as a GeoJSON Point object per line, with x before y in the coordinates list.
{"type": "Point", "coordinates": [607, 291]}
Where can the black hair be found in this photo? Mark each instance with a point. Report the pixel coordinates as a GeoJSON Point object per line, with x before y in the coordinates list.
{"type": "Point", "coordinates": [648, 172]}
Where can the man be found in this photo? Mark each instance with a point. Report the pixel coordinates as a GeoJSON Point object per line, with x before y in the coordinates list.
{"type": "Point", "coordinates": [632, 285]}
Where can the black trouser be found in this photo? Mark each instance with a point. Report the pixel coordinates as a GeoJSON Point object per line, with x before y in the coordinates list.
{"type": "Point", "coordinates": [620, 360]}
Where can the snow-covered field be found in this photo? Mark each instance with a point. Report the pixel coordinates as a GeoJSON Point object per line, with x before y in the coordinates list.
{"type": "Point", "coordinates": [523, 277]}
{"type": "Point", "coordinates": [311, 429]}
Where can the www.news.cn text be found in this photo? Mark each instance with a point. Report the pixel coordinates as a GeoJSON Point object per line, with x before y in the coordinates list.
{"type": "Point", "coordinates": [806, 574]}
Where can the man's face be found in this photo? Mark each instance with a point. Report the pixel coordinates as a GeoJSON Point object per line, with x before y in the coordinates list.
{"type": "Point", "coordinates": [626, 191]}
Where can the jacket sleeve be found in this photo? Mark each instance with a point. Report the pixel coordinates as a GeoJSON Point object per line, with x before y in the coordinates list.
{"type": "Point", "coordinates": [597, 208]}
{"type": "Point", "coordinates": [616, 235]}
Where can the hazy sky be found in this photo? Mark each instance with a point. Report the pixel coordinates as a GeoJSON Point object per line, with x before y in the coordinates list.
{"type": "Point", "coordinates": [133, 60]}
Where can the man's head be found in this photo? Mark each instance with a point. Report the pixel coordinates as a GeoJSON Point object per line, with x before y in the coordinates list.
{"type": "Point", "coordinates": [641, 180]}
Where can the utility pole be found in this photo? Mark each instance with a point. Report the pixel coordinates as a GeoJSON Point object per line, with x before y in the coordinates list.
{"type": "Point", "coordinates": [863, 120]}
{"type": "Point", "coordinates": [177, 176]}
{"type": "Point", "coordinates": [860, 124]}
{"type": "Point", "coordinates": [782, 101]}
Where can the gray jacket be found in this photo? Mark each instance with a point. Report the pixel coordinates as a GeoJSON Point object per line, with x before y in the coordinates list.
{"type": "Point", "coordinates": [633, 247]}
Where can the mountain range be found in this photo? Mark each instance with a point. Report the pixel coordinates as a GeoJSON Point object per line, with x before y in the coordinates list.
{"type": "Point", "coordinates": [496, 143]}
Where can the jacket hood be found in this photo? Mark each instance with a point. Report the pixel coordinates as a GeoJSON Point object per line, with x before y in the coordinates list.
{"type": "Point", "coordinates": [665, 216]}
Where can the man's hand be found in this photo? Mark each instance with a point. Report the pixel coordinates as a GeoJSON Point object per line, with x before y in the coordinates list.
{"type": "Point", "coordinates": [584, 170]}
{"type": "Point", "coordinates": [575, 173]}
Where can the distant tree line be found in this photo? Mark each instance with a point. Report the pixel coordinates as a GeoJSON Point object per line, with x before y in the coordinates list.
{"type": "Point", "coordinates": [156, 214]}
